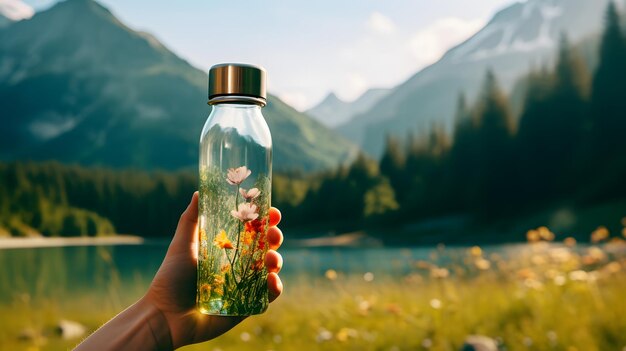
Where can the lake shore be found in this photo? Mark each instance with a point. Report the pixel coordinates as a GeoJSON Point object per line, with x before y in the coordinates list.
{"type": "Point", "coordinates": [22, 243]}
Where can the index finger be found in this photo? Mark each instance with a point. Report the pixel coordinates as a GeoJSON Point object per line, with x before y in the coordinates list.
{"type": "Point", "coordinates": [275, 217]}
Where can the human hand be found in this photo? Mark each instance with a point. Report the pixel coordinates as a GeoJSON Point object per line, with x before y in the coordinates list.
{"type": "Point", "coordinates": [173, 290]}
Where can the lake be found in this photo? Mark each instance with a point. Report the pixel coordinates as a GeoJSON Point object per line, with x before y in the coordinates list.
{"type": "Point", "coordinates": [57, 271]}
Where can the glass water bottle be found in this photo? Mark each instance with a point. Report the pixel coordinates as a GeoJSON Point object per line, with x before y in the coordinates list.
{"type": "Point", "coordinates": [235, 189]}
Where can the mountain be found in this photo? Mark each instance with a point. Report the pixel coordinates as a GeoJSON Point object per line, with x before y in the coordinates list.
{"type": "Point", "coordinates": [13, 10]}
{"type": "Point", "coordinates": [333, 111]}
{"type": "Point", "coordinates": [4, 21]}
{"type": "Point", "coordinates": [77, 85]}
{"type": "Point", "coordinates": [517, 37]}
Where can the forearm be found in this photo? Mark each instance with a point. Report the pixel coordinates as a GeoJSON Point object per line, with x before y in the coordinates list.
{"type": "Point", "coordinates": [139, 327]}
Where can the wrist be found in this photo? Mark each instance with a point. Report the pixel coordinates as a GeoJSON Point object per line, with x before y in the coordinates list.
{"type": "Point", "coordinates": [157, 324]}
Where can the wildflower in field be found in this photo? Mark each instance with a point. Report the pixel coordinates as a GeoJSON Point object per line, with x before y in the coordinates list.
{"type": "Point", "coordinates": [476, 251]}
{"type": "Point", "coordinates": [331, 274]}
{"type": "Point", "coordinates": [526, 273]}
{"type": "Point", "coordinates": [599, 235]}
{"type": "Point", "coordinates": [393, 308]}
{"type": "Point", "coordinates": [569, 241]}
{"type": "Point", "coordinates": [364, 307]}
{"type": "Point", "coordinates": [559, 280]}
{"type": "Point", "coordinates": [538, 260]}
{"type": "Point", "coordinates": [346, 333]}
{"type": "Point", "coordinates": [539, 234]}
{"type": "Point", "coordinates": [368, 277]}
{"type": "Point", "coordinates": [613, 267]}
{"type": "Point", "coordinates": [323, 335]}
{"type": "Point", "coordinates": [533, 284]}
{"type": "Point", "coordinates": [482, 264]}
{"type": "Point", "coordinates": [423, 264]}
{"type": "Point", "coordinates": [221, 240]}
{"type": "Point", "coordinates": [532, 236]}
{"type": "Point", "coordinates": [545, 233]}
{"type": "Point", "coordinates": [594, 255]}
{"type": "Point", "coordinates": [439, 273]}
{"type": "Point", "coordinates": [435, 303]}
{"type": "Point", "coordinates": [413, 278]}
{"type": "Point", "coordinates": [578, 275]}
{"type": "Point", "coordinates": [245, 336]}
{"type": "Point", "coordinates": [236, 176]}
{"type": "Point", "coordinates": [225, 268]}
{"type": "Point", "coordinates": [245, 212]}
{"type": "Point", "coordinates": [560, 255]}
{"type": "Point", "coordinates": [250, 194]}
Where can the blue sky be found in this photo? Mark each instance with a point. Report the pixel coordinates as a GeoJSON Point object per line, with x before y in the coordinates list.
{"type": "Point", "coordinates": [309, 47]}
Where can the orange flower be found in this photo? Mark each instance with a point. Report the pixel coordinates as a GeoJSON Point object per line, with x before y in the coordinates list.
{"type": "Point", "coordinates": [248, 237]}
{"type": "Point", "coordinates": [222, 241]}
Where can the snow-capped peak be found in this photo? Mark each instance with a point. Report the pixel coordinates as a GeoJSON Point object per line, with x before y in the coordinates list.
{"type": "Point", "coordinates": [529, 26]}
{"type": "Point", "coordinates": [15, 10]}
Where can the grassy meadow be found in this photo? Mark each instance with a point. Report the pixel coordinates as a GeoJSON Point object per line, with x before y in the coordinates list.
{"type": "Point", "coordinates": [534, 296]}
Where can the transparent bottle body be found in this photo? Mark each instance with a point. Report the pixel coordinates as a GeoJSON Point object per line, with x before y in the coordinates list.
{"type": "Point", "coordinates": [235, 189]}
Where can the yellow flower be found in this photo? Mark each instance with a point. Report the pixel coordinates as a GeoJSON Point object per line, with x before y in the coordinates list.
{"type": "Point", "coordinates": [222, 241]}
{"type": "Point", "coordinates": [545, 233]}
{"type": "Point", "coordinates": [569, 241]}
{"type": "Point", "coordinates": [599, 234]}
{"type": "Point", "coordinates": [476, 251]}
{"type": "Point", "coordinates": [331, 274]}
{"type": "Point", "coordinates": [533, 236]}
{"type": "Point", "coordinates": [248, 237]}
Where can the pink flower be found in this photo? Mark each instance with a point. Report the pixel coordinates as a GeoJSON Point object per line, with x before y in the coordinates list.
{"type": "Point", "coordinates": [245, 212]}
{"type": "Point", "coordinates": [237, 175]}
{"type": "Point", "coordinates": [250, 194]}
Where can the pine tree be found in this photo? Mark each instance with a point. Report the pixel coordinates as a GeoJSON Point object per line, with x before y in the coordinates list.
{"type": "Point", "coordinates": [462, 160]}
{"type": "Point", "coordinates": [608, 98]}
{"type": "Point", "coordinates": [392, 164]}
{"type": "Point", "coordinates": [534, 137]}
{"type": "Point", "coordinates": [495, 161]}
{"type": "Point", "coordinates": [568, 104]}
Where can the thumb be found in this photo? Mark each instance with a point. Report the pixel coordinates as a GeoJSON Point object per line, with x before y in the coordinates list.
{"type": "Point", "coordinates": [187, 230]}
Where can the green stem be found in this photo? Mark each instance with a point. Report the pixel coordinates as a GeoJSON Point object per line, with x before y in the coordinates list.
{"type": "Point", "coordinates": [238, 235]}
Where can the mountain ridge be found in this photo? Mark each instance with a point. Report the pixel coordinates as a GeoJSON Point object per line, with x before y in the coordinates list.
{"type": "Point", "coordinates": [333, 111]}
{"type": "Point", "coordinates": [81, 86]}
{"type": "Point", "coordinates": [429, 96]}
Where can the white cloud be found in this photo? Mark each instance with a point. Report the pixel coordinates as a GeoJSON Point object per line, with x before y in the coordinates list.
{"type": "Point", "coordinates": [15, 9]}
{"type": "Point", "coordinates": [297, 100]}
{"type": "Point", "coordinates": [430, 43]}
{"type": "Point", "coordinates": [380, 23]}
{"type": "Point", "coordinates": [356, 85]}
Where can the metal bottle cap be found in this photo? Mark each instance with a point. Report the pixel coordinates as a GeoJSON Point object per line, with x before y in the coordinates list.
{"type": "Point", "coordinates": [237, 82]}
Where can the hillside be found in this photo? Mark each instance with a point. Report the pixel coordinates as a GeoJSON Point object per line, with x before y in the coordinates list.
{"type": "Point", "coordinates": [77, 85]}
